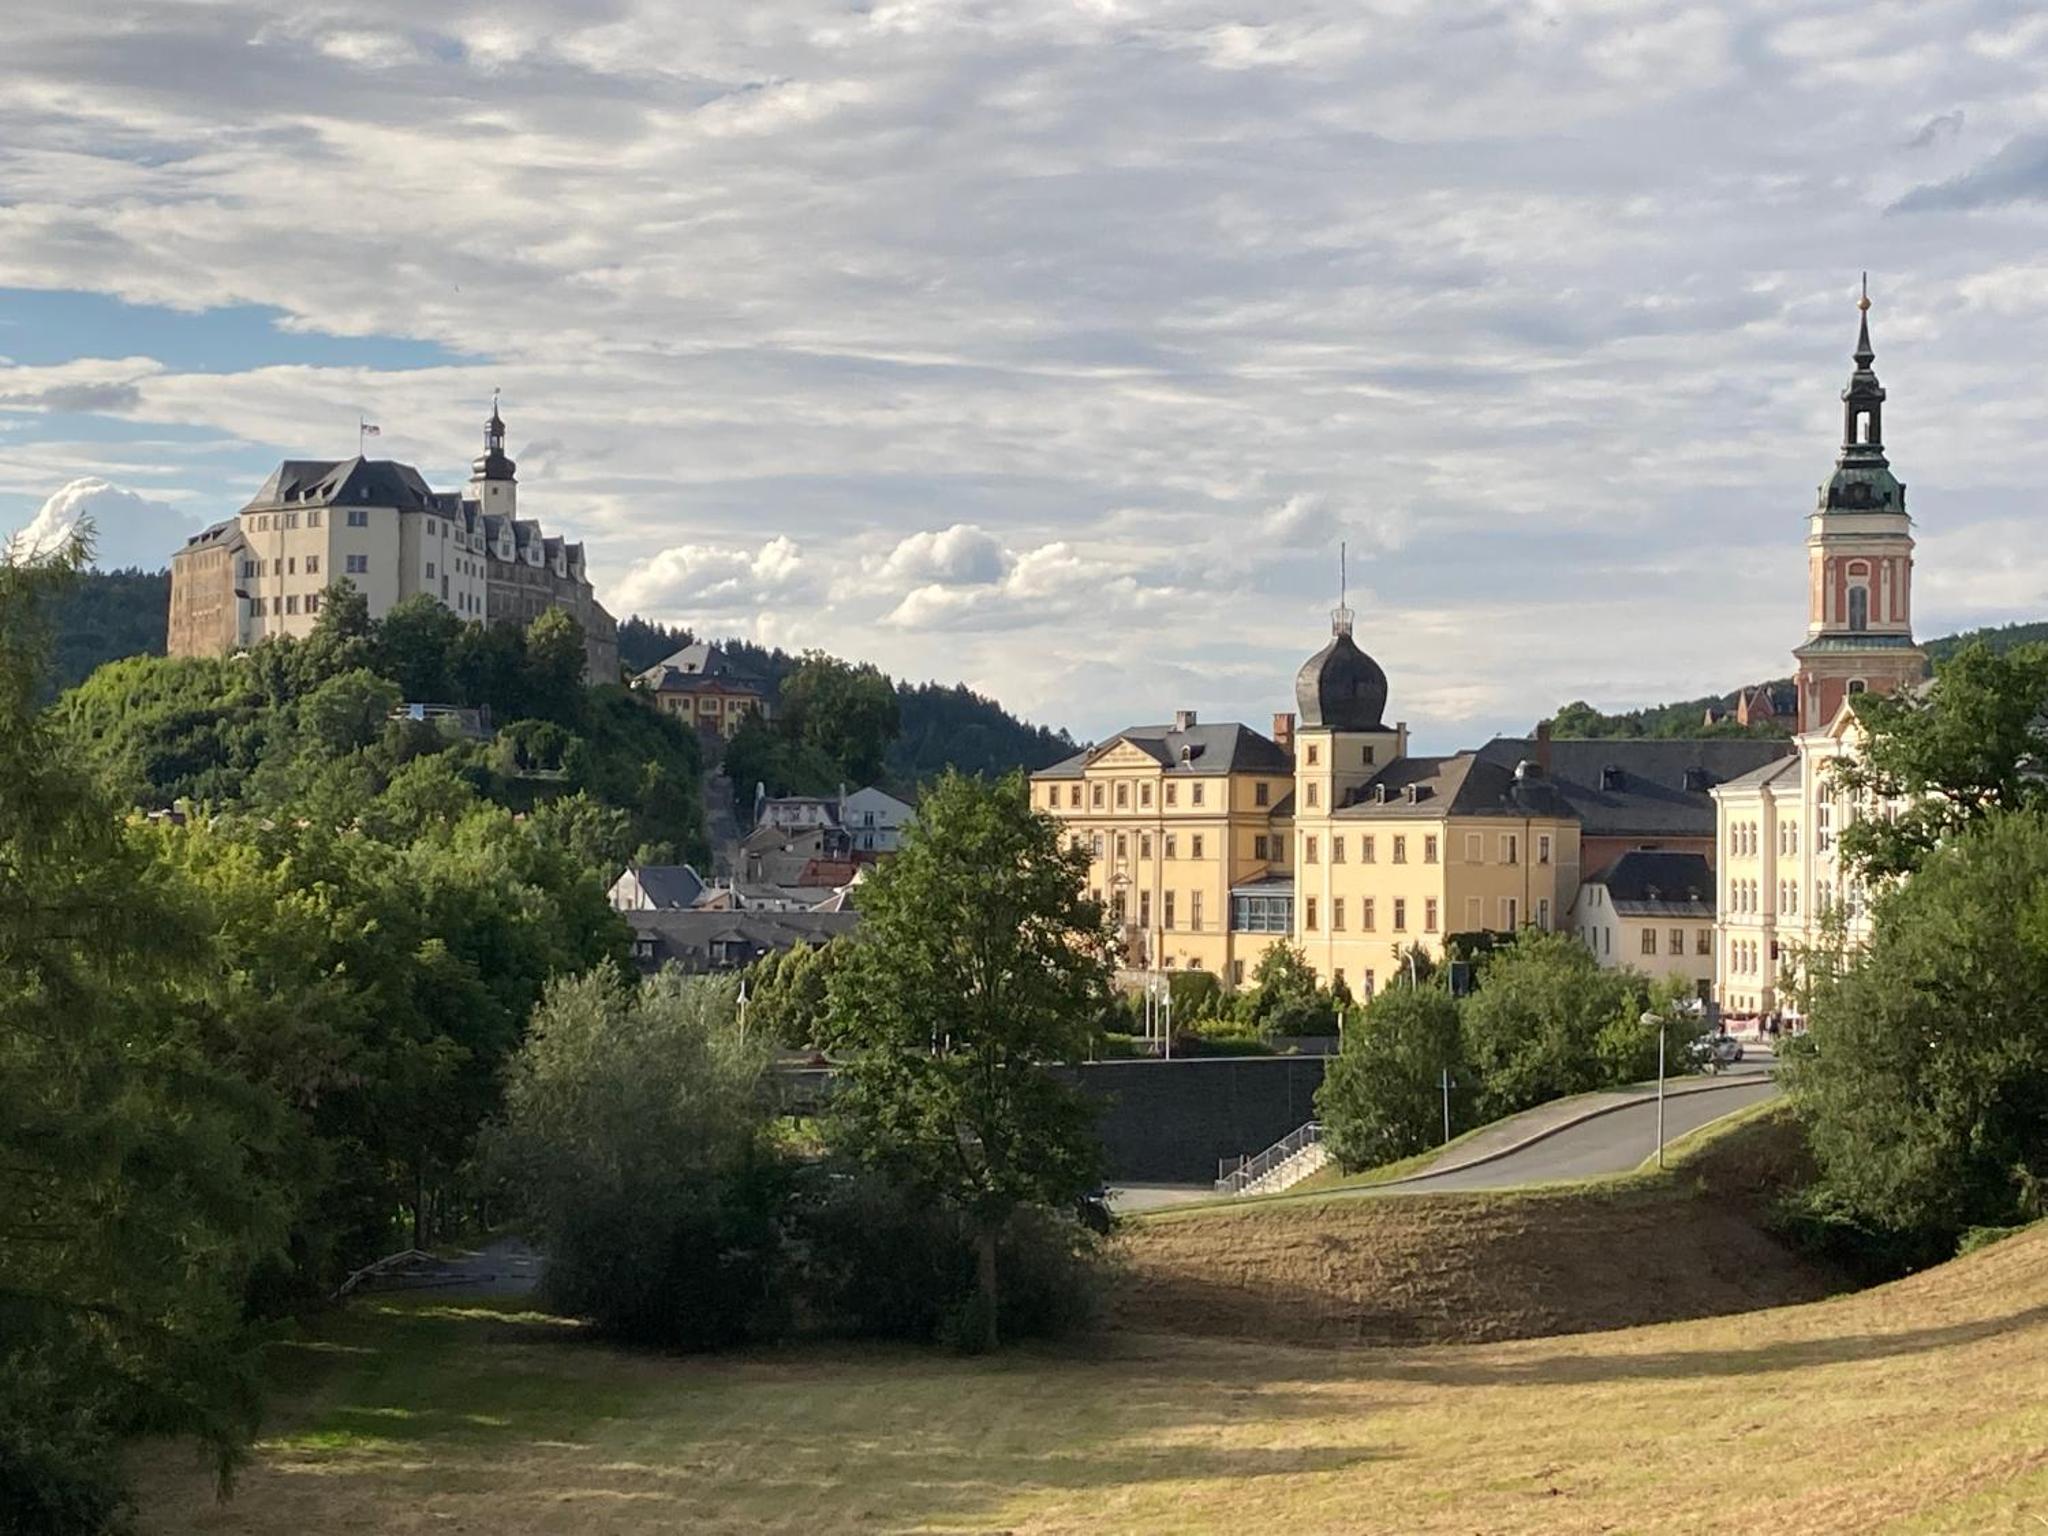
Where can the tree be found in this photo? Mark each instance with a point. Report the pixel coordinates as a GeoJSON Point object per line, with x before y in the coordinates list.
{"type": "Point", "coordinates": [786, 991]}
{"type": "Point", "coordinates": [1285, 998]}
{"type": "Point", "coordinates": [1533, 1029]}
{"type": "Point", "coordinates": [347, 712]}
{"type": "Point", "coordinates": [849, 713]}
{"type": "Point", "coordinates": [635, 1134]}
{"type": "Point", "coordinates": [415, 643]}
{"type": "Point", "coordinates": [135, 1196]}
{"type": "Point", "coordinates": [555, 660]}
{"type": "Point", "coordinates": [1974, 744]}
{"type": "Point", "coordinates": [981, 960]}
{"type": "Point", "coordinates": [1382, 1096]}
{"type": "Point", "coordinates": [1924, 1087]}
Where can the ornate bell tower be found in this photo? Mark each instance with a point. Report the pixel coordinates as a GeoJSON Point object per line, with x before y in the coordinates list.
{"type": "Point", "coordinates": [493, 479]}
{"type": "Point", "coordinates": [1859, 551]}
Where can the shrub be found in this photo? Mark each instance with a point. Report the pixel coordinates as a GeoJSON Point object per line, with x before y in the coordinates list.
{"type": "Point", "coordinates": [880, 1262]}
{"type": "Point", "coordinates": [1382, 1096]}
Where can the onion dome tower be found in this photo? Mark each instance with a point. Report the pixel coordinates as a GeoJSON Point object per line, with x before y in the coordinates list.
{"type": "Point", "coordinates": [493, 479]}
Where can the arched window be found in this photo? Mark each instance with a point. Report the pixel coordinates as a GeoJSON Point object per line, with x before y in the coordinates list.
{"type": "Point", "coordinates": [1859, 608]}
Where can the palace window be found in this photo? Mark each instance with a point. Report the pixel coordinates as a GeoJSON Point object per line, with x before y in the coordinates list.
{"type": "Point", "coordinates": [1074, 796]}
{"type": "Point", "coordinates": [1095, 796]}
{"type": "Point", "coordinates": [1261, 914]}
{"type": "Point", "coordinates": [1314, 794]}
{"type": "Point", "coordinates": [1510, 914]}
{"type": "Point", "coordinates": [1123, 795]}
{"type": "Point", "coordinates": [1195, 852]}
{"type": "Point", "coordinates": [1195, 910]}
{"type": "Point", "coordinates": [1703, 941]}
{"type": "Point", "coordinates": [1308, 850]}
{"type": "Point", "coordinates": [1173, 794]}
{"type": "Point", "coordinates": [1400, 914]}
{"type": "Point", "coordinates": [1337, 850]}
{"type": "Point", "coordinates": [1510, 849]}
{"type": "Point", "coordinates": [1262, 847]}
{"type": "Point", "coordinates": [1144, 909]}
{"type": "Point", "coordinates": [312, 565]}
{"type": "Point", "coordinates": [1337, 914]}
{"type": "Point", "coordinates": [358, 565]}
{"type": "Point", "coordinates": [1172, 846]}
{"type": "Point", "coordinates": [1145, 796]}
{"type": "Point", "coordinates": [1123, 846]}
{"type": "Point", "coordinates": [1429, 850]}
{"type": "Point", "coordinates": [1145, 845]}
{"type": "Point", "coordinates": [1309, 922]}
{"type": "Point", "coordinates": [1197, 793]}
{"type": "Point", "coordinates": [1166, 910]}
{"type": "Point", "coordinates": [1095, 845]}
{"type": "Point", "coordinates": [1543, 848]}
{"type": "Point", "coordinates": [1262, 793]}
{"type": "Point", "coordinates": [1677, 941]}
{"type": "Point", "coordinates": [1366, 849]}
{"type": "Point", "coordinates": [1313, 754]}
{"type": "Point", "coordinates": [1649, 941]}
{"type": "Point", "coordinates": [1367, 913]}
{"type": "Point", "coordinates": [1400, 850]}
{"type": "Point", "coordinates": [358, 518]}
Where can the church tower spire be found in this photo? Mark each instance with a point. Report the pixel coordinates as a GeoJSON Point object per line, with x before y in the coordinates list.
{"type": "Point", "coordinates": [1859, 543]}
{"type": "Point", "coordinates": [494, 479]}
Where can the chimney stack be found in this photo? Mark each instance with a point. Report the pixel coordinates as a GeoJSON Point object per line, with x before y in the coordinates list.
{"type": "Point", "coordinates": [1543, 747]}
{"type": "Point", "coordinates": [1183, 719]}
{"type": "Point", "coordinates": [1283, 731]}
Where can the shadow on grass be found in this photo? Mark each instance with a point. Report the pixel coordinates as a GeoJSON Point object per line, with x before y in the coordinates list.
{"type": "Point", "coordinates": [492, 1415]}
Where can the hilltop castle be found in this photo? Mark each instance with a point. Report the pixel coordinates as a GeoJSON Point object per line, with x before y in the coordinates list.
{"type": "Point", "coordinates": [378, 525]}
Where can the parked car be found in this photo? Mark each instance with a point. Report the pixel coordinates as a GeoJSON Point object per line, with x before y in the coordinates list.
{"type": "Point", "coordinates": [1716, 1051]}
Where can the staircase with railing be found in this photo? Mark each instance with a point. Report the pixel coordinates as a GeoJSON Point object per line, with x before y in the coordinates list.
{"type": "Point", "coordinates": [1288, 1161]}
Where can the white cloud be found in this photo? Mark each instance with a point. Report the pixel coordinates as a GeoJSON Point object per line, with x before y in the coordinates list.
{"type": "Point", "coordinates": [693, 581]}
{"type": "Point", "coordinates": [127, 529]}
{"type": "Point", "coordinates": [1055, 347]}
{"type": "Point", "coordinates": [959, 554]}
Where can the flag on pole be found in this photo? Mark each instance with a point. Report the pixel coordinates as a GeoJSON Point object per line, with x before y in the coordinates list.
{"type": "Point", "coordinates": [371, 429]}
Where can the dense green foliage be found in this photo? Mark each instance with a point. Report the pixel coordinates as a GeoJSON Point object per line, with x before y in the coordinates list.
{"type": "Point", "coordinates": [641, 1137]}
{"type": "Point", "coordinates": [104, 615]}
{"type": "Point", "coordinates": [1545, 1020]}
{"type": "Point", "coordinates": [1382, 1096]}
{"type": "Point", "coordinates": [1923, 1079]}
{"type": "Point", "coordinates": [637, 1133]}
{"type": "Point", "coordinates": [981, 961]}
{"type": "Point", "coordinates": [239, 1049]}
{"type": "Point", "coordinates": [299, 720]}
{"type": "Point", "coordinates": [1686, 719]}
{"type": "Point", "coordinates": [786, 991]}
{"type": "Point", "coordinates": [140, 1169]}
{"type": "Point", "coordinates": [1971, 746]}
{"type": "Point", "coordinates": [936, 726]}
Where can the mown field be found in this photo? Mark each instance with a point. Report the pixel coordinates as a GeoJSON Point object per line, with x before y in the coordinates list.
{"type": "Point", "coordinates": [1921, 1406]}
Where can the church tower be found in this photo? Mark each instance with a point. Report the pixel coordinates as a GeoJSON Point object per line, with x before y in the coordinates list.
{"type": "Point", "coordinates": [1859, 550]}
{"type": "Point", "coordinates": [493, 479]}
{"type": "Point", "coordinates": [1341, 739]}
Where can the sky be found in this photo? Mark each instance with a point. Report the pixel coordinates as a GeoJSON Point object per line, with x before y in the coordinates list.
{"type": "Point", "coordinates": [1055, 347]}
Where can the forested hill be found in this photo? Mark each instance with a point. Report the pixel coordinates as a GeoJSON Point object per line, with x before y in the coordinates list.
{"type": "Point", "coordinates": [106, 616]}
{"type": "Point", "coordinates": [1686, 717]}
{"type": "Point", "coordinates": [103, 617]}
{"type": "Point", "coordinates": [938, 726]}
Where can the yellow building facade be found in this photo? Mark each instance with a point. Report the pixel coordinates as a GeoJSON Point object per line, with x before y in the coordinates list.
{"type": "Point", "coordinates": [1174, 818]}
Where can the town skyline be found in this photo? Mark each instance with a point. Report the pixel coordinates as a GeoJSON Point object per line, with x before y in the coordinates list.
{"type": "Point", "coordinates": [1078, 418]}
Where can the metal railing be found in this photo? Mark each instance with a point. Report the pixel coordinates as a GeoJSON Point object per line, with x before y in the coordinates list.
{"type": "Point", "coordinates": [1235, 1178]}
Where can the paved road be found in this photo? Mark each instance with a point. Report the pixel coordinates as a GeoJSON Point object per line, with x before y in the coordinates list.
{"type": "Point", "coordinates": [1611, 1143]}
{"type": "Point", "coordinates": [1615, 1142]}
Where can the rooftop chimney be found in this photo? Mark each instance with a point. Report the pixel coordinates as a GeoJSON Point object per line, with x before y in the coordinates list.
{"type": "Point", "coordinates": [1283, 731]}
{"type": "Point", "coordinates": [1611, 777]}
{"type": "Point", "coordinates": [1543, 746]}
{"type": "Point", "coordinates": [1183, 719]}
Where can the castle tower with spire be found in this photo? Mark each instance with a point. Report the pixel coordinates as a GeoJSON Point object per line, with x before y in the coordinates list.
{"type": "Point", "coordinates": [493, 478]}
{"type": "Point", "coordinates": [1859, 547]}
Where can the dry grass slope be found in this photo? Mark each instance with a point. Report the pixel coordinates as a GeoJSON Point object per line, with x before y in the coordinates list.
{"type": "Point", "coordinates": [1921, 1406]}
{"type": "Point", "coordinates": [1469, 1268]}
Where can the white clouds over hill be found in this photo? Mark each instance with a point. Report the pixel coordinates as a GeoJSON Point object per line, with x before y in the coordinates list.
{"type": "Point", "coordinates": [126, 529]}
{"type": "Point", "coordinates": [1055, 346]}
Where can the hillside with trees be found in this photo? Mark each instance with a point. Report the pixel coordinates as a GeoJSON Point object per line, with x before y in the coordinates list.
{"type": "Point", "coordinates": [1686, 717]}
{"type": "Point", "coordinates": [937, 726]}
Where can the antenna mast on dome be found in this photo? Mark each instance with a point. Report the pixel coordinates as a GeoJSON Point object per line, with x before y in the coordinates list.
{"type": "Point", "coordinates": [1340, 616]}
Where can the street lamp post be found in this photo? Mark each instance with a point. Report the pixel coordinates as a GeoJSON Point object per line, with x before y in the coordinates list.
{"type": "Point", "coordinates": [1657, 1019]}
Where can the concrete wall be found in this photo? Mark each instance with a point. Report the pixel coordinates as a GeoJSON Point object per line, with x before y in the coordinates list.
{"type": "Point", "coordinates": [1168, 1122]}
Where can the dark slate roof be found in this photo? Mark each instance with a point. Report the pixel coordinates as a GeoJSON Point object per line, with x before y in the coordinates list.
{"type": "Point", "coordinates": [1642, 883]}
{"type": "Point", "coordinates": [1656, 789]}
{"type": "Point", "coordinates": [344, 482]}
{"type": "Point", "coordinates": [670, 885]}
{"type": "Point", "coordinates": [1341, 688]}
{"type": "Point", "coordinates": [1226, 748]}
{"type": "Point", "coordinates": [1466, 784]}
{"type": "Point", "coordinates": [214, 534]}
{"type": "Point", "coordinates": [690, 939]}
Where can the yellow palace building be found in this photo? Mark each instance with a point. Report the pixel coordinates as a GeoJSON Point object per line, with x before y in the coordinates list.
{"type": "Point", "coordinates": [1210, 842]}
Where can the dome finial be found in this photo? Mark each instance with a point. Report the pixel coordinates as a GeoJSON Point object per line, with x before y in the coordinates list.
{"type": "Point", "coordinates": [1341, 615]}
{"type": "Point", "coordinates": [1864, 354]}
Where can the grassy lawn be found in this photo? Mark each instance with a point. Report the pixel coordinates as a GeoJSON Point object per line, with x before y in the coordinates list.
{"type": "Point", "coordinates": [1919, 1407]}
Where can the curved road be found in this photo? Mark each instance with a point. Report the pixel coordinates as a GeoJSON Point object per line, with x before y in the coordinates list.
{"type": "Point", "coordinates": [1611, 1143]}
{"type": "Point", "coordinates": [1615, 1142]}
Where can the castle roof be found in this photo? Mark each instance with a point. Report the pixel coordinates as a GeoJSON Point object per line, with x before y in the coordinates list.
{"type": "Point", "coordinates": [343, 482]}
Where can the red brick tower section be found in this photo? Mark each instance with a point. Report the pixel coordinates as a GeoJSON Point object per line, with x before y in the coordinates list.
{"type": "Point", "coordinates": [1859, 547]}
